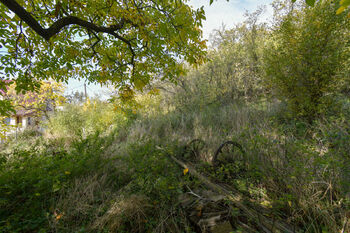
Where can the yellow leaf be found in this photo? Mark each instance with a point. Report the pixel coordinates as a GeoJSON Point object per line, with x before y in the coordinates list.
{"type": "Point", "coordinates": [185, 171]}
{"type": "Point", "coordinates": [290, 203]}
{"type": "Point", "coordinates": [266, 204]}
{"type": "Point", "coordinates": [340, 10]}
{"type": "Point", "coordinates": [67, 172]}
{"type": "Point", "coordinates": [58, 217]}
{"type": "Point", "coordinates": [154, 91]}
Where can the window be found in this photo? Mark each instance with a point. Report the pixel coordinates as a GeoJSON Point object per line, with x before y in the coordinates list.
{"type": "Point", "coordinates": [18, 120]}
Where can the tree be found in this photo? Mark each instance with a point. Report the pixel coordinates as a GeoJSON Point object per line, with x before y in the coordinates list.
{"type": "Point", "coordinates": [75, 97]}
{"type": "Point", "coordinates": [343, 5]}
{"type": "Point", "coordinates": [304, 59]}
{"type": "Point", "coordinates": [47, 98]}
{"type": "Point", "coordinates": [233, 72]}
{"type": "Point", "coordinates": [124, 42]}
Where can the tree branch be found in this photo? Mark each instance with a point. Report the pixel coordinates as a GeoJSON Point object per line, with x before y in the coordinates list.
{"type": "Point", "coordinates": [56, 27]}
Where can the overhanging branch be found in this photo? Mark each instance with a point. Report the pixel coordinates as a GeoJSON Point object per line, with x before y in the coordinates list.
{"type": "Point", "coordinates": [56, 27]}
{"type": "Point", "coordinates": [61, 23]}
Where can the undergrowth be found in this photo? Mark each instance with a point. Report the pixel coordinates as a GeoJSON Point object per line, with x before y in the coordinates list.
{"type": "Point", "coordinates": [124, 181]}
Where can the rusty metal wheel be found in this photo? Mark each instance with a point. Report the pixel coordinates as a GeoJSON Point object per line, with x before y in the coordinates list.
{"type": "Point", "coordinates": [228, 151]}
{"type": "Point", "coordinates": [194, 149]}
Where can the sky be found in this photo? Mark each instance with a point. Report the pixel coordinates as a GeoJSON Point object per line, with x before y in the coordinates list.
{"type": "Point", "coordinates": [228, 13]}
{"type": "Point", "coordinates": [219, 13]}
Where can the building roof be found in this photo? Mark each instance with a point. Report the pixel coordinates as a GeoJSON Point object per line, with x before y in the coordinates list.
{"type": "Point", "coordinates": [24, 112]}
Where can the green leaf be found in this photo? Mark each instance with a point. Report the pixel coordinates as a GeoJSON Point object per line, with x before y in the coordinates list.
{"type": "Point", "coordinates": [152, 45]}
{"type": "Point", "coordinates": [310, 2]}
{"type": "Point", "coordinates": [345, 3]}
{"type": "Point", "coordinates": [69, 66]}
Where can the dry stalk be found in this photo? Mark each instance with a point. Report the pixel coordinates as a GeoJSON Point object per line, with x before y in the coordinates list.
{"type": "Point", "coordinates": [235, 197]}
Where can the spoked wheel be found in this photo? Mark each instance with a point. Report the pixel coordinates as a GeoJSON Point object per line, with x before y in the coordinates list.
{"type": "Point", "coordinates": [228, 152]}
{"type": "Point", "coordinates": [194, 149]}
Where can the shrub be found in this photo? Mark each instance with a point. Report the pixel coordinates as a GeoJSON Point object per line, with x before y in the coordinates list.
{"type": "Point", "coordinates": [76, 121]}
{"type": "Point", "coordinates": [305, 57]}
{"type": "Point", "coordinates": [30, 181]}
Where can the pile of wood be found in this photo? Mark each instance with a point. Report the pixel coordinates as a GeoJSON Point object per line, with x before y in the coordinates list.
{"type": "Point", "coordinates": [219, 209]}
{"type": "Point", "coordinates": [207, 211]}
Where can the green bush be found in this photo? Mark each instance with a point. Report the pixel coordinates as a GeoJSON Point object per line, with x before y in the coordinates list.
{"type": "Point", "coordinates": [31, 180]}
{"type": "Point", "coordinates": [68, 122]}
{"type": "Point", "coordinates": [79, 121]}
{"type": "Point", "coordinates": [305, 58]}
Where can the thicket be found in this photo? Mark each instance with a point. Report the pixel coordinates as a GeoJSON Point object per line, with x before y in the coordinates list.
{"type": "Point", "coordinates": [79, 120]}
{"type": "Point", "coordinates": [306, 58]}
{"type": "Point", "coordinates": [83, 177]}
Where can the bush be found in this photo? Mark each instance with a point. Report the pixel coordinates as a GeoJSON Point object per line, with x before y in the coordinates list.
{"type": "Point", "coordinates": [305, 58]}
{"type": "Point", "coordinates": [76, 121]}
{"type": "Point", "coordinates": [31, 180]}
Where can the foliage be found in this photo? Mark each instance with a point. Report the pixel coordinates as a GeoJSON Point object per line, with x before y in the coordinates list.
{"type": "Point", "coordinates": [79, 121]}
{"type": "Point", "coordinates": [233, 71]}
{"type": "Point", "coordinates": [47, 97]}
{"type": "Point", "coordinates": [299, 172]}
{"type": "Point", "coordinates": [6, 108]}
{"type": "Point", "coordinates": [42, 201]}
{"type": "Point", "coordinates": [102, 41]}
{"type": "Point", "coordinates": [305, 57]}
{"type": "Point", "coordinates": [122, 180]}
{"type": "Point", "coordinates": [294, 168]}
{"type": "Point", "coordinates": [69, 122]}
{"type": "Point", "coordinates": [75, 97]}
{"type": "Point", "coordinates": [344, 4]}
{"type": "Point", "coordinates": [5, 127]}
{"type": "Point", "coordinates": [30, 181]}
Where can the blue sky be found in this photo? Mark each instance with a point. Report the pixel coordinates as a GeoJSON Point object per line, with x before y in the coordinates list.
{"type": "Point", "coordinates": [228, 13]}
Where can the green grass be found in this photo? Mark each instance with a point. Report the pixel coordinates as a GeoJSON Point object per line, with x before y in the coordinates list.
{"type": "Point", "coordinates": [122, 181]}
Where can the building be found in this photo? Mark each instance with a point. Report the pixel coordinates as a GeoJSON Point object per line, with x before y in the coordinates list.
{"type": "Point", "coordinates": [30, 108]}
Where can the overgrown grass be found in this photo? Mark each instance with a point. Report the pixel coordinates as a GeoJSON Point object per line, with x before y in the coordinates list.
{"type": "Point", "coordinates": [299, 170]}
{"type": "Point", "coordinates": [31, 180]}
{"type": "Point", "coordinates": [122, 181]}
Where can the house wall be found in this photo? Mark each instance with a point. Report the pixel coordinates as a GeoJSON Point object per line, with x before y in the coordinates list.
{"type": "Point", "coordinates": [13, 121]}
{"type": "Point", "coordinates": [24, 122]}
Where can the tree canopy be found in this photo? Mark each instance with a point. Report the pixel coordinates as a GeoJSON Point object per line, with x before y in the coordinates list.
{"type": "Point", "coordinates": [48, 97]}
{"type": "Point", "coordinates": [343, 5]}
{"type": "Point", "coordinates": [126, 43]}
{"type": "Point", "coordinates": [123, 42]}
